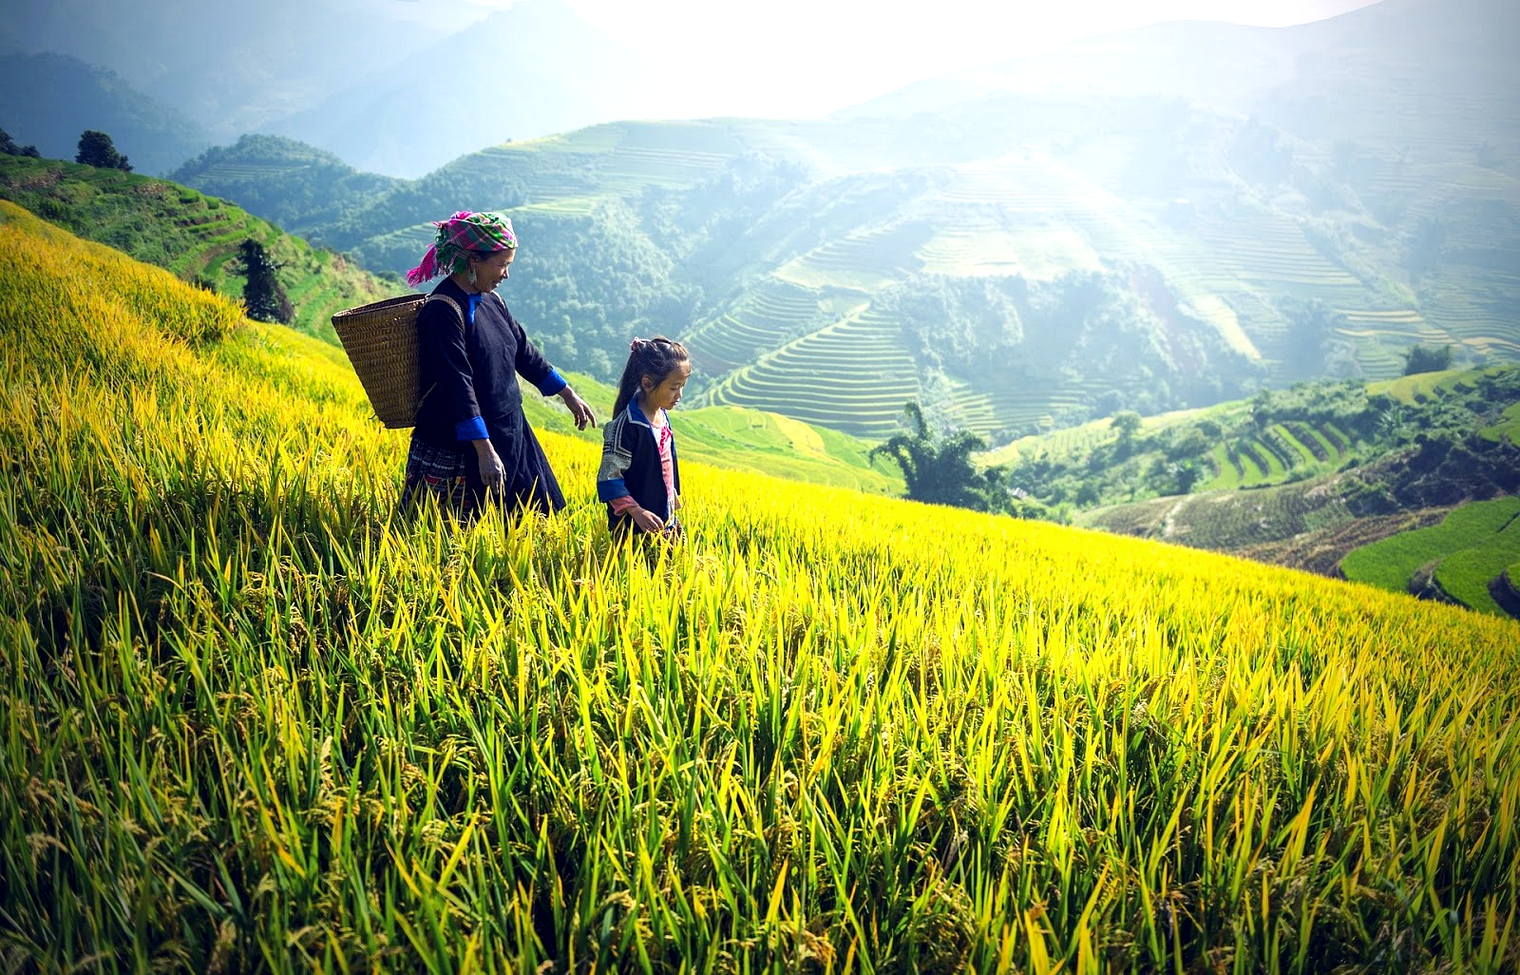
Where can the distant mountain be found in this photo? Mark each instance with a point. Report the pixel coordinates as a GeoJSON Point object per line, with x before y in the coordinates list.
{"type": "Point", "coordinates": [1024, 260]}
{"type": "Point", "coordinates": [49, 99]}
{"type": "Point", "coordinates": [1364, 75]}
{"type": "Point", "coordinates": [506, 77]}
{"type": "Point", "coordinates": [232, 67]}
{"type": "Point", "coordinates": [299, 187]}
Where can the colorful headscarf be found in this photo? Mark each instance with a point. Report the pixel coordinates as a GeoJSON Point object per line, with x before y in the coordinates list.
{"type": "Point", "coordinates": [458, 236]}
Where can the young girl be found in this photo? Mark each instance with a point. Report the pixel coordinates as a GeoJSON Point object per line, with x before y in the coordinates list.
{"type": "Point", "coordinates": [639, 478]}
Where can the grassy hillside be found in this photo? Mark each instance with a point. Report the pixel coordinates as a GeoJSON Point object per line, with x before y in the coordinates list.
{"type": "Point", "coordinates": [252, 721]}
{"type": "Point", "coordinates": [1392, 562]}
{"type": "Point", "coordinates": [190, 234]}
{"type": "Point", "coordinates": [288, 183]}
{"type": "Point", "coordinates": [1309, 432]}
{"type": "Point", "coordinates": [1296, 477]}
{"type": "Point", "coordinates": [1463, 559]}
{"type": "Point", "coordinates": [194, 236]}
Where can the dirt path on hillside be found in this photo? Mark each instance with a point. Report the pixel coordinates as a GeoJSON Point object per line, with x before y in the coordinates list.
{"type": "Point", "coordinates": [1321, 551]}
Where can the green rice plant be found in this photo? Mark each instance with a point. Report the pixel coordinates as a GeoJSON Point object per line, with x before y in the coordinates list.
{"type": "Point", "coordinates": [1467, 576]}
{"type": "Point", "coordinates": [1390, 562]}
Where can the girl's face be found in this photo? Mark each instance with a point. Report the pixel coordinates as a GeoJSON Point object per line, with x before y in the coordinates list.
{"type": "Point", "coordinates": [493, 270]}
{"type": "Point", "coordinates": [665, 394]}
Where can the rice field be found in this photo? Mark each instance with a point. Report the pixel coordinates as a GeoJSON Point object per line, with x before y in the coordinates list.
{"type": "Point", "coordinates": [1282, 450]}
{"type": "Point", "coordinates": [253, 721]}
{"type": "Point", "coordinates": [852, 375]}
{"type": "Point", "coordinates": [1483, 529]}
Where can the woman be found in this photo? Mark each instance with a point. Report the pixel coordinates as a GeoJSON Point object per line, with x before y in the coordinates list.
{"type": "Point", "coordinates": [471, 438]}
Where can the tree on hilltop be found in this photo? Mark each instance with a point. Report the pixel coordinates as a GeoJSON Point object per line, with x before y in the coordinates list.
{"type": "Point", "coordinates": [1127, 423]}
{"type": "Point", "coordinates": [96, 149]}
{"type": "Point", "coordinates": [263, 294]}
{"type": "Point", "coordinates": [1425, 358]}
{"type": "Point", "coordinates": [9, 147]}
{"type": "Point", "coordinates": [939, 470]}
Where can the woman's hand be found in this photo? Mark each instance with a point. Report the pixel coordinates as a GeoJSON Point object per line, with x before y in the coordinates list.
{"type": "Point", "coordinates": [578, 408]}
{"type": "Point", "coordinates": [492, 474]}
{"type": "Point", "coordinates": [647, 520]}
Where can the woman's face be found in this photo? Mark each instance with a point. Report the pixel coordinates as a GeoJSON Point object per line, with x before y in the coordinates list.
{"type": "Point", "coordinates": [493, 270]}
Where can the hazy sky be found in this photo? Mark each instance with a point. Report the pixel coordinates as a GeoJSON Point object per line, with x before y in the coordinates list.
{"type": "Point", "coordinates": [810, 57]}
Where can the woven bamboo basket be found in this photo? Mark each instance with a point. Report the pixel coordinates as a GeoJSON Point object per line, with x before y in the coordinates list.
{"type": "Point", "coordinates": [381, 341]}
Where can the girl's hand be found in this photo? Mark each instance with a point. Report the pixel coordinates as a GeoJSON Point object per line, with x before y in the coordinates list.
{"type": "Point", "coordinates": [647, 520]}
{"type": "Point", "coordinates": [578, 408]}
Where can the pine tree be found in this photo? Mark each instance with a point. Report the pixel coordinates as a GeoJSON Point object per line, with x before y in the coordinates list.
{"type": "Point", "coordinates": [96, 149]}
{"type": "Point", "coordinates": [263, 294]}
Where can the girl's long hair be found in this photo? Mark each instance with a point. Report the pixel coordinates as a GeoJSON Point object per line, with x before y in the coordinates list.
{"type": "Point", "coordinates": [655, 358]}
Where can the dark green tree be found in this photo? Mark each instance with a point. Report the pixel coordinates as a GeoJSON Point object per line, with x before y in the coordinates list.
{"type": "Point", "coordinates": [1425, 358]}
{"type": "Point", "coordinates": [263, 294]}
{"type": "Point", "coordinates": [939, 470]}
{"type": "Point", "coordinates": [1127, 422]}
{"type": "Point", "coordinates": [9, 147]}
{"type": "Point", "coordinates": [96, 149]}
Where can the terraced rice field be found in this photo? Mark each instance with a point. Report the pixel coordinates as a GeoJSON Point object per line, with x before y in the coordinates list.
{"type": "Point", "coordinates": [255, 722]}
{"type": "Point", "coordinates": [1467, 295]}
{"type": "Point", "coordinates": [1398, 327]}
{"type": "Point", "coordinates": [853, 375]}
{"type": "Point", "coordinates": [1463, 554]}
{"type": "Point", "coordinates": [1423, 386]}
{"type": "Point", "coordinates": [1270, 250]}
{"type": "Point", "coordinates": [864, 261]}
{"type": "Point", "coordinates": [765, 317]}
{"type": "Point", "coordinates": [1280, 450]}
{"type": "Point", "coordinates": [1020, 402]}
{"type": "Point", "coordinates": [1469, 576]}
{"type": "Point", "coordinates": [611, 160]}
{"type": "Point", "coordinates": [630, 168]}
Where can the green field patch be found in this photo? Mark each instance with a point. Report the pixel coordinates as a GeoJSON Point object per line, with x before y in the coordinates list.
{"type": "Point", "coordinates": [1229, 470]}
{"type": "Point", "coordinates": [1508, 427]}
{"type": "Point", "coordinates": [1269, 468]}
{"type": "Point", "coordinates": [1467, 576]}
{"type": "Point", "coordinates": [1391, 562]}
{"type": "Point", "coordinates": [1320, 449]}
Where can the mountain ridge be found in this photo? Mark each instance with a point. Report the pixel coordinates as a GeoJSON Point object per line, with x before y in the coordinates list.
{"type": "Point", "coordinates": [1149, 252]}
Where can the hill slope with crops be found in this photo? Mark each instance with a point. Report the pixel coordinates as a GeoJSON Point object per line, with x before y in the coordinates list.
{"type": "Point", "coordinates": [194, 235]}
{"type": "Point", "coordinates": [254, 721]}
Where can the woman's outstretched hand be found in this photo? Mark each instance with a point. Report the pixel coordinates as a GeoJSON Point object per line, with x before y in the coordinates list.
{"type": "Point", "coordinates": [578, 408]}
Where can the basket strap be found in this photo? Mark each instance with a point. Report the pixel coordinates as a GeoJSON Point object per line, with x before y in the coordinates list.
{"type": "Point", "coordinates": [454, 305]}
{"type": "Point", "coordinates": [450, 302]}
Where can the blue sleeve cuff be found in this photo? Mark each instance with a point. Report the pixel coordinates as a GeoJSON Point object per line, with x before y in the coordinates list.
{"type": "Point", "coordinates": [552, 383]}
{"type": "Point", "coordinates": [471, 429]}
{"type": "Point", "coordinates": [607, 490]}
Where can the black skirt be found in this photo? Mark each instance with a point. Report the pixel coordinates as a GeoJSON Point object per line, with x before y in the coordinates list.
{"type": "Point", "coordinates": [450, 473]}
